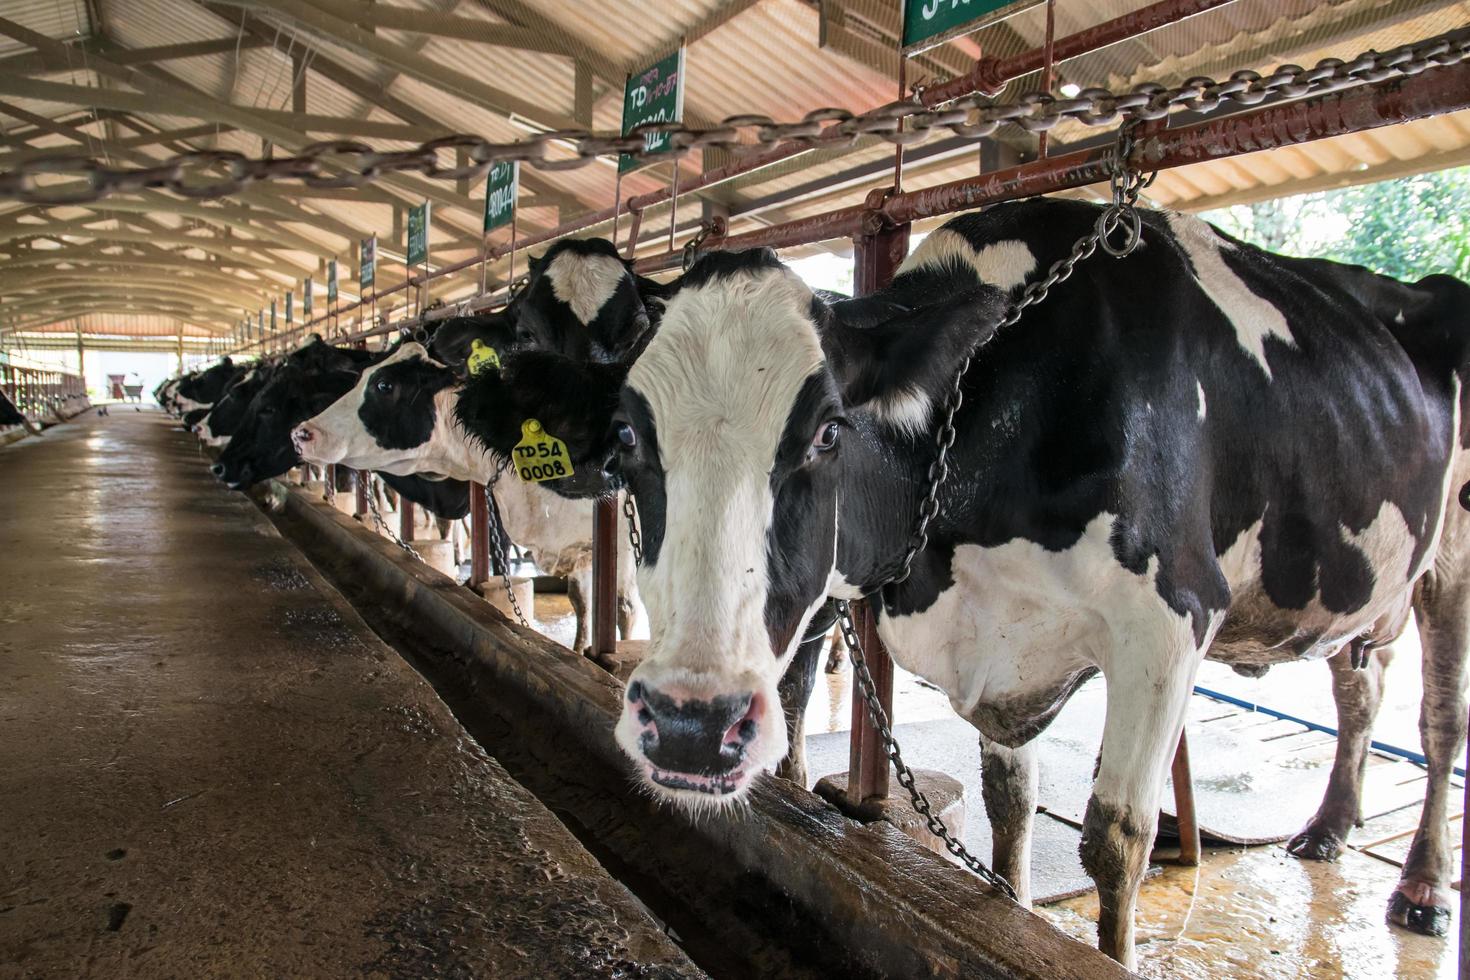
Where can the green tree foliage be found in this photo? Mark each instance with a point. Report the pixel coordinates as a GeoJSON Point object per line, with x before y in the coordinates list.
{"type": "Point", "coordinates": [1405, 228]}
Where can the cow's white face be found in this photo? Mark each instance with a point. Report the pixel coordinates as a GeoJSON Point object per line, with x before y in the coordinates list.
{"type": "Point", "coordinates": [728, 428]}
{"type": "Point", "coordinates": [397, 419]}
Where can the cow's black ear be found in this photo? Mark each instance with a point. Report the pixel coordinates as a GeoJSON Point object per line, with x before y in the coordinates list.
{"type": "Point", "coordinates": [227, 362]}
{"type": "Point", "coordinates": [454, 341]}
{"type": "Point", "coordinates": [882, 347]}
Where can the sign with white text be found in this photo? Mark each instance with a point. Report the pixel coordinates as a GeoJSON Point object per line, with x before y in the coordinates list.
{"type": "Point", "coordinates": [368, 269]}
{"type": "Point", "coordinates": [501, 186]}
{"type": "Point", "coordinates": [418, 234]}
{"type": "Point", "coordinates": [929, 23]}
{"type": "Point", "coordinates": [655, 94]}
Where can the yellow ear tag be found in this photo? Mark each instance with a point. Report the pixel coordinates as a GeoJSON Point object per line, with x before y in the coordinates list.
{"type": "Point", "coordinates": [482, 356]}
{"type": "Point", "coordinates": [541, 456]}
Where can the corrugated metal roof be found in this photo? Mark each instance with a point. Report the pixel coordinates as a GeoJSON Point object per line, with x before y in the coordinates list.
{"type": "Point", "coordinates": [745, 56]}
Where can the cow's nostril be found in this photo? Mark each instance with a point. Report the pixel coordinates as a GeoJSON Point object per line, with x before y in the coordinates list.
{"type": "Point", "coordinates": [218, 469]}
{"type": "Point", "coordinates": [635, 691]}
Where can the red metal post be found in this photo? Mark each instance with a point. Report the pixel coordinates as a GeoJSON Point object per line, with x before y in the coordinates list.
{"type": "Point", "coordinates": [479, 534]}
{"type": "Point", "coordinates": [360, 488]}
{"type": "Point", "coordinates": [405, 518]}
{"type": "Point", "coordinates": [605, 577]}
{"type": "Point", "coordinates": [1184, 804]}
{"type": "Point", "coordinates": [876, 258]}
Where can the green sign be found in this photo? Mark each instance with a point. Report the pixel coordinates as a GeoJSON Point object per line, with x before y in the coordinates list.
{"type": "Point", "coordinates": [501, 185]}
{"type": "Point", "coordinates": [653, 95]}
{"type": "Point", "coordinates": [273, 316]}
{"type": "Point", "coordinates": [369, 261]}
{"type": "Point", "coordinates": [927, 23]}
{"type": "Point", "coordinates": [332, 281]}
{"type": "Point", "coordinates": [289, 298]}
{"type": "Point", "coordinates": [418, 234]}
{"type": "Point", "coordinates": [306, 298]}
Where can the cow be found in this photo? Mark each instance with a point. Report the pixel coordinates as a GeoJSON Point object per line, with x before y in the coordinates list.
{"type": "Point", "coordinates": [224, 417]}
{"type": "Point", "coordinates": [305, 381]}
{"type": "Point", "coordinates": [399, 419]}
{"type": "Point", "coordinates": [9, 414]}
{"type": "Point", "coordinates": [201, 389]}
{"type": "Point", "coordinates": [1200, 450]}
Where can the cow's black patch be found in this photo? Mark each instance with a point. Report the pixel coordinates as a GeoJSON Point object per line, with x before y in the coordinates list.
{"type": "Point", "coordinates": [398, 403]}
{"type": "Point", "coordinates": [711, 267]}
{"type": "Point", "coordinates": [449, 499]}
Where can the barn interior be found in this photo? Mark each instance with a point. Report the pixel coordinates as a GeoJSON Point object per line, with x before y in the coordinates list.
{"type": "Point", "coordinates": [286, 733]}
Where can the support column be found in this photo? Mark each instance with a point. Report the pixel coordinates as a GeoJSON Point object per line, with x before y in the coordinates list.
{"type": "Point", "coordinates": [605, 578]}
{"type": "Point", "coordinates": [479, 535]}
{"type": "Point", "coordinates": [876, 257]}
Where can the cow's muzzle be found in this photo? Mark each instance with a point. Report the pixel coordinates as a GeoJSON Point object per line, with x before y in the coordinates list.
{"type": "Point", "coordinates": [695, 744]}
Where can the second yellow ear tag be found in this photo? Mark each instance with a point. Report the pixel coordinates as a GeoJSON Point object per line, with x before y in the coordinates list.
{"type": "Point", "coordinates": [482, 356]}
{"type": "Point", "coordinates": [541, 456]}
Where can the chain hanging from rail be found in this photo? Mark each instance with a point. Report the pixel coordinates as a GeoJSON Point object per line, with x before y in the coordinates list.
{"type": "Point", "coordinates": [346, 163]}
{"type": "Point", "coordinates": [500, 545]}
{"type": "Point", "coordinates": [372, 502]}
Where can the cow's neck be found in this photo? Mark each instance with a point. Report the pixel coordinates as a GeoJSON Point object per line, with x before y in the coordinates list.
{"type": "Point", "coordinates": [881, 484]}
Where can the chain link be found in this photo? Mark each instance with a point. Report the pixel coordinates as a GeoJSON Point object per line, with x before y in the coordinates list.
{"type": "Point", "coordinates": [635, 537]}
{"type": "Point", "coordinates": [346, 163]}
{"type": "Point", "coordinates": [906, 777]}
{"type": "Point", "coordinates": [500, 541]}
{"type": "Point", "coordinates": [372, 502]}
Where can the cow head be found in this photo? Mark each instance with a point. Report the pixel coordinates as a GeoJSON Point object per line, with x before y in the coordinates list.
{"type": "Point", "coordinates": [304, 383]}
{"type": "Point", "coordinates": [398, 418]}
{"type": "Point", "coordinates": [223, 419]}
{"type": "Point", "coordinates": [730, 432]}
{"type": "Point", "coordinates": [583, 300]}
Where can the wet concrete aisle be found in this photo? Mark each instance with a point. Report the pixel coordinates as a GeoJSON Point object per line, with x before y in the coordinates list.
{"type": "Point", "coordinates": [210, 767]}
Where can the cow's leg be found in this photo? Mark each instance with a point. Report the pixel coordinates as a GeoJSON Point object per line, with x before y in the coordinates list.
{"type": "Point", "coordinates": [795, 690]}
{"type": "Point", "coordinates": [1421, 902]}
{"type": "Point", "coordinates": [579, 591]}
{"type": "Point", "coordinates": [1148, 690]}
{"type": "Point", "coordinates": [837, 654]}
{"type": "Point", "coordinates": [1358, 694]}
{"type": "Point", "coordinates": [1008, 784]}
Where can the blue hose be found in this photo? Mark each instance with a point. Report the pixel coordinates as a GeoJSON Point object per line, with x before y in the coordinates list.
{"type": "Point", "coordinates": [1415, 757]}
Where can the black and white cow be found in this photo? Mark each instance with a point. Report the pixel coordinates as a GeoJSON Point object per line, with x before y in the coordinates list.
{"type": "Point", "coordinates": [1199, 450]}
{"type": "Point", "coordinates": [399, 419]}
{"type": "Point", "coordinates": [217, 427]}
{"type": "Point", "coordinates": [301, 384]}
{"type": "Point", "coordinates": [201, 389]}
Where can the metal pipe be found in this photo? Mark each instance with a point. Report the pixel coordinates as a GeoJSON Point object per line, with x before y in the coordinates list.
{"type": "Point", "coordinates": [1415, 757]}
{"type": "Point", "coordinates": [1432, 92]}
{"type": "Point", "coordinates": [605, 578]}
{"type": "Point", "coordinates": [479, 534]}
{"type": "Point", "coordinates": [990, 75]}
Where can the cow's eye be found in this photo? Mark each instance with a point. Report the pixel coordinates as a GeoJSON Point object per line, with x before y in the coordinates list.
{"type": "Point", "coordinates": [627, 436]}
{"type": "Point", "coordinates": [826, 437]}
{"type": "Point", "coordinates": [385, 386]}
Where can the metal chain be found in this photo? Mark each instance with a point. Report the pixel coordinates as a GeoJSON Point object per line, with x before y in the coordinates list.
{"type": "Point", "coordinates": [906, 779]}
{"type": "Point", "coordinates": [500, 541]}
{"type": "Point", "coordinates": [1127, 183]}
{"type": "Point", "coordinates": [372, 502]}
{"type": "Point", "coordinates": [345, 163]}
{"type": "Point", "coordinates": [635, 537]}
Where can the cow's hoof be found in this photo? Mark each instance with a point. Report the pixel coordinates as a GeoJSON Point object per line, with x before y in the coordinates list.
{"type": "Point", "coordinates": [1431, 919]}
{"type": "Point", "coordinates": [1315, 845]}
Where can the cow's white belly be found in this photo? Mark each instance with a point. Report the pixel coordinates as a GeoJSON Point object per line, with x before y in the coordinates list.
{"type": "Point", "coordinates": [1022, 625]}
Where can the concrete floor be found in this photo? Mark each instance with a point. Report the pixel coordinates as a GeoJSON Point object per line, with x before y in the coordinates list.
{"type": "Point", "coordinates": [210, 767]}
